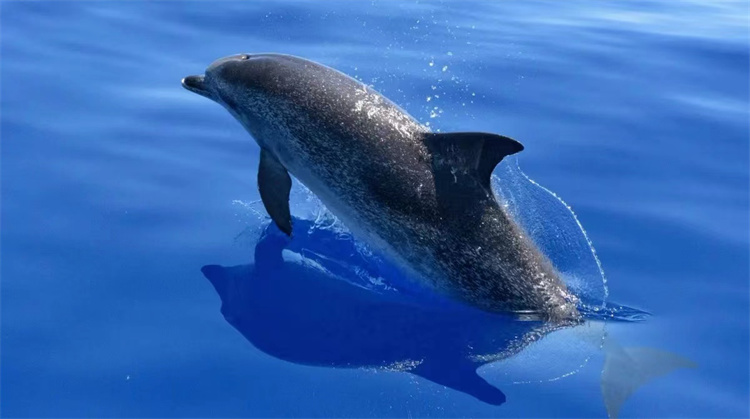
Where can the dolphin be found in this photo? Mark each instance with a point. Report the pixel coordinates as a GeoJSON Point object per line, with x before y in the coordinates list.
{"type": "Point", "coordinates": [422, 199]}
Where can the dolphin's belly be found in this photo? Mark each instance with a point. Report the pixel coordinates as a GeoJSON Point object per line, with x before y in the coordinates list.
{"type": "Point", "coordinates": [369, 219]}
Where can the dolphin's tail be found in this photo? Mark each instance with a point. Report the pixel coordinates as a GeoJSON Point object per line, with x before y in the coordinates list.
{"type": "Point", "coordinates": [626, 369]}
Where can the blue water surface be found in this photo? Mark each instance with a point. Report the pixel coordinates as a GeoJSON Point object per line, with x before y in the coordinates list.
{"type": "Point", "coordinates": [129, 209]}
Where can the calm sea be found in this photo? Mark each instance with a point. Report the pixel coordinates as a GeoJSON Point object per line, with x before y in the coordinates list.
{"type": "Point", "coordinates": [119, 186]}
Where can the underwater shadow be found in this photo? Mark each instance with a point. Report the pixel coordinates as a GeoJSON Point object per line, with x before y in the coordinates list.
{"type": "Point", "coordinates": [295, 308]}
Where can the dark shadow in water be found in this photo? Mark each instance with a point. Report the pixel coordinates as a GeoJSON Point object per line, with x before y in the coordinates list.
{"type": "Point", "coordinates": [294, 309]}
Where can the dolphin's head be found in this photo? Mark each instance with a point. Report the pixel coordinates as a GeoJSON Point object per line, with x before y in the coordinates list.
{"type": "Point", "coordinates": [255, 88]}
{"type": "Point", "coordinates": [233, 79]}
{"type": "Point", "coordinates": [210, 84]}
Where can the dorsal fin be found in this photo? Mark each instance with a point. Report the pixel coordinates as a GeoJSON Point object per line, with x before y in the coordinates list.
{"type": "Point", "coordinates": [474, 152]}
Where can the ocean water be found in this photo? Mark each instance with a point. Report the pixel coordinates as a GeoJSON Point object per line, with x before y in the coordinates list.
{"type": "Point", "coordinates": [130, 213]}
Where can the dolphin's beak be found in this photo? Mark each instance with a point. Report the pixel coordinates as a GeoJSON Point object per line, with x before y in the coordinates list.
{"type": "Point", "coordinates": [196, 84]}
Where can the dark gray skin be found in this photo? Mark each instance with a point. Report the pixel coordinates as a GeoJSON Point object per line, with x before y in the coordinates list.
{"type": "Point", "coordinates": [423, 199]}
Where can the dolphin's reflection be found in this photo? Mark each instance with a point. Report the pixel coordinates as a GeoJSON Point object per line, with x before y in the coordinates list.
{"type": "Point", "coordinates": [293, 308]}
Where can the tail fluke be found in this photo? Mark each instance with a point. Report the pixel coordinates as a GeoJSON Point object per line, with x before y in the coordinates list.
{"type": "Point", "coordinates": [627, 369]}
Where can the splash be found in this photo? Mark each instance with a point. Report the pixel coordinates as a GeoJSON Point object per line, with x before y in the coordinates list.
{"type": "Point", "coordinates": [555, 229]}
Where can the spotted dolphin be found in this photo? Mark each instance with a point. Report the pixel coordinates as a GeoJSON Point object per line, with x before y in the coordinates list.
{"type": "Point", "coordinates": [422, 199]}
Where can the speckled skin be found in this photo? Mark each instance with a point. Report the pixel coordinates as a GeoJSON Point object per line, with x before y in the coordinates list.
{"type": "Point", "coordinates": [368, 162]}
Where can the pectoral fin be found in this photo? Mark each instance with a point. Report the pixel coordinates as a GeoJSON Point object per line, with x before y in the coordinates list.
{"type": "Point", "coordinates": [274, 185]}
